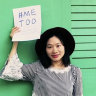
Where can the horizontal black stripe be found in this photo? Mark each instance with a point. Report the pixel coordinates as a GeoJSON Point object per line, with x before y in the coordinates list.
{"type": "Point", "coordinates": [89, 68]}
{"type": "Point", "coordinates": [84, 42]}
{"type": "Point", "coordinates": [83, 20]}
{"type": "Point", "coordinates": [84, 35]}
{"type": "Point", "coordinates": [83, 5]}
{"type": "Point", "coordinates": [83, 28]}
{"type": "Point", "coordinates": [86, 50]}
{"type": "Point", "coordinates": [84, 58]}
{"type": "Point", "coordinates": [83, 12]}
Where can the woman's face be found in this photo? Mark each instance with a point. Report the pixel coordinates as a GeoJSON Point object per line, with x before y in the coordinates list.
{"type": "Point", "coordinates": [55, 49]}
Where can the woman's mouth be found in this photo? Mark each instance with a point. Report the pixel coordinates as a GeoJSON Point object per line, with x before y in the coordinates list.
{"type": "Point", "coordinates": [55, 56]}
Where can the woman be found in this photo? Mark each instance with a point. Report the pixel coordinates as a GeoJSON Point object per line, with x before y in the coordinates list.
{"type": "Point", "coordinates": [52, 74]}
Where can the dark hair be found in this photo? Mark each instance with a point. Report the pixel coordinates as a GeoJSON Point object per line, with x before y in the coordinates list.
{"type": "Point", "coordinates": [64, 36]}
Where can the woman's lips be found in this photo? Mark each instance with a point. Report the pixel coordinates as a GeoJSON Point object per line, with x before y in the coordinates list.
{"type": "Point", "coordinates": [55, 56]}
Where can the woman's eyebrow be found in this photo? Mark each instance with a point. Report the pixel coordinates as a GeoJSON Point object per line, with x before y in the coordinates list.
{"type": "Point", "coordinates": [49, 44]}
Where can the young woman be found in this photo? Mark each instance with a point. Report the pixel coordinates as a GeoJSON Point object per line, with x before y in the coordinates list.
{"type": "Point", "coordinates": [52, 74]}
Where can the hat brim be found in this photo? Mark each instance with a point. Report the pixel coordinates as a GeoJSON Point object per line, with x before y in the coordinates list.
{"type": "Point", "coordinates": [68, 40]}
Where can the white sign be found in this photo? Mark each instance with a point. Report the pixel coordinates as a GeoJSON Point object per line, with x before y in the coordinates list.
{"type": "Point", "coordinates": [28, 19]}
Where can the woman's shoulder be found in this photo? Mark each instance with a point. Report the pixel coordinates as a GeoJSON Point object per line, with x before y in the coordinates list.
{"type": "Point", "coordinates": [37, 64]}
{"type": "Point", "coordinates": [75, 69]}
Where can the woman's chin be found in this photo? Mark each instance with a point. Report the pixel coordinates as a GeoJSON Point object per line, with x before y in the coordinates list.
{"type": "Point", "coordinates": [56, 60]}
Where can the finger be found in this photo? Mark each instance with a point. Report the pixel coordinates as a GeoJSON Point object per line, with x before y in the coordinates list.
{"type": "Point", "coordinates": [15, 28]}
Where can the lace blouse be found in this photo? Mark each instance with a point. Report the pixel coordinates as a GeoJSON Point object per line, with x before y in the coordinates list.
{"type": "Point", "coordinates": [47, 82]}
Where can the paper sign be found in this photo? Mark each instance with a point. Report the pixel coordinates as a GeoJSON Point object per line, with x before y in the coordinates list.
{"type": "Point", "coordinates": [28, 19]}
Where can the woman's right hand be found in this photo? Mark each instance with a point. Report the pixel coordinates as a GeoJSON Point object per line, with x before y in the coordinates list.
{"type": "Point", "coordinates": [14, 30]}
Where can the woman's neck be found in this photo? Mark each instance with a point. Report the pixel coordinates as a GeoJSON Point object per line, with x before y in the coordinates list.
{"type": "Point", "coordinates": [58, 65]}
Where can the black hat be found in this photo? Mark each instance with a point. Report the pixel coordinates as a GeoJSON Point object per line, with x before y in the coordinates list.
{"type": "Point", "coordinates": [63, 34]}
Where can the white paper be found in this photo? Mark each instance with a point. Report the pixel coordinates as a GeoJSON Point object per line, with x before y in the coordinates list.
{"type": "Point", "coordinates": [28, 19]}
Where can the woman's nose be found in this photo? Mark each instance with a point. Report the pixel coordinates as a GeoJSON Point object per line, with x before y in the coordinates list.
{"type": "Point", "coordinates": [54, 49]}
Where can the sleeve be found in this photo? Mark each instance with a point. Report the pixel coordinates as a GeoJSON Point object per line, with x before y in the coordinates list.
{"type": "Point", "coordinates": [16, 70]}
{"type": "Point", "coordinates": [77, 88]}
{"type": "Point", "coordinates": [29, 71]}
{"type": "Point", "coordinates": [12, 69]}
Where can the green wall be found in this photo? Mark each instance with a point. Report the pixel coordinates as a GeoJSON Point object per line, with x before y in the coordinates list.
{"type": "Point", "coordinates": [78, 16]}
{"type": "Point", "coordinates": [83, 28]}
{"type": "Point", "coordinates": [53, 12]}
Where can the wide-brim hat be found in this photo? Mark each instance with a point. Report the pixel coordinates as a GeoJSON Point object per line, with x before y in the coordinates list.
{"type": "Point", "coordinates": [65, 35]}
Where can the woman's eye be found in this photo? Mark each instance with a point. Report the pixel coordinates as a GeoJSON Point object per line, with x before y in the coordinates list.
{"type": "Point", "coordinates": [49, 47]}
{"type": "Point", "coordinates": [58, 45]}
